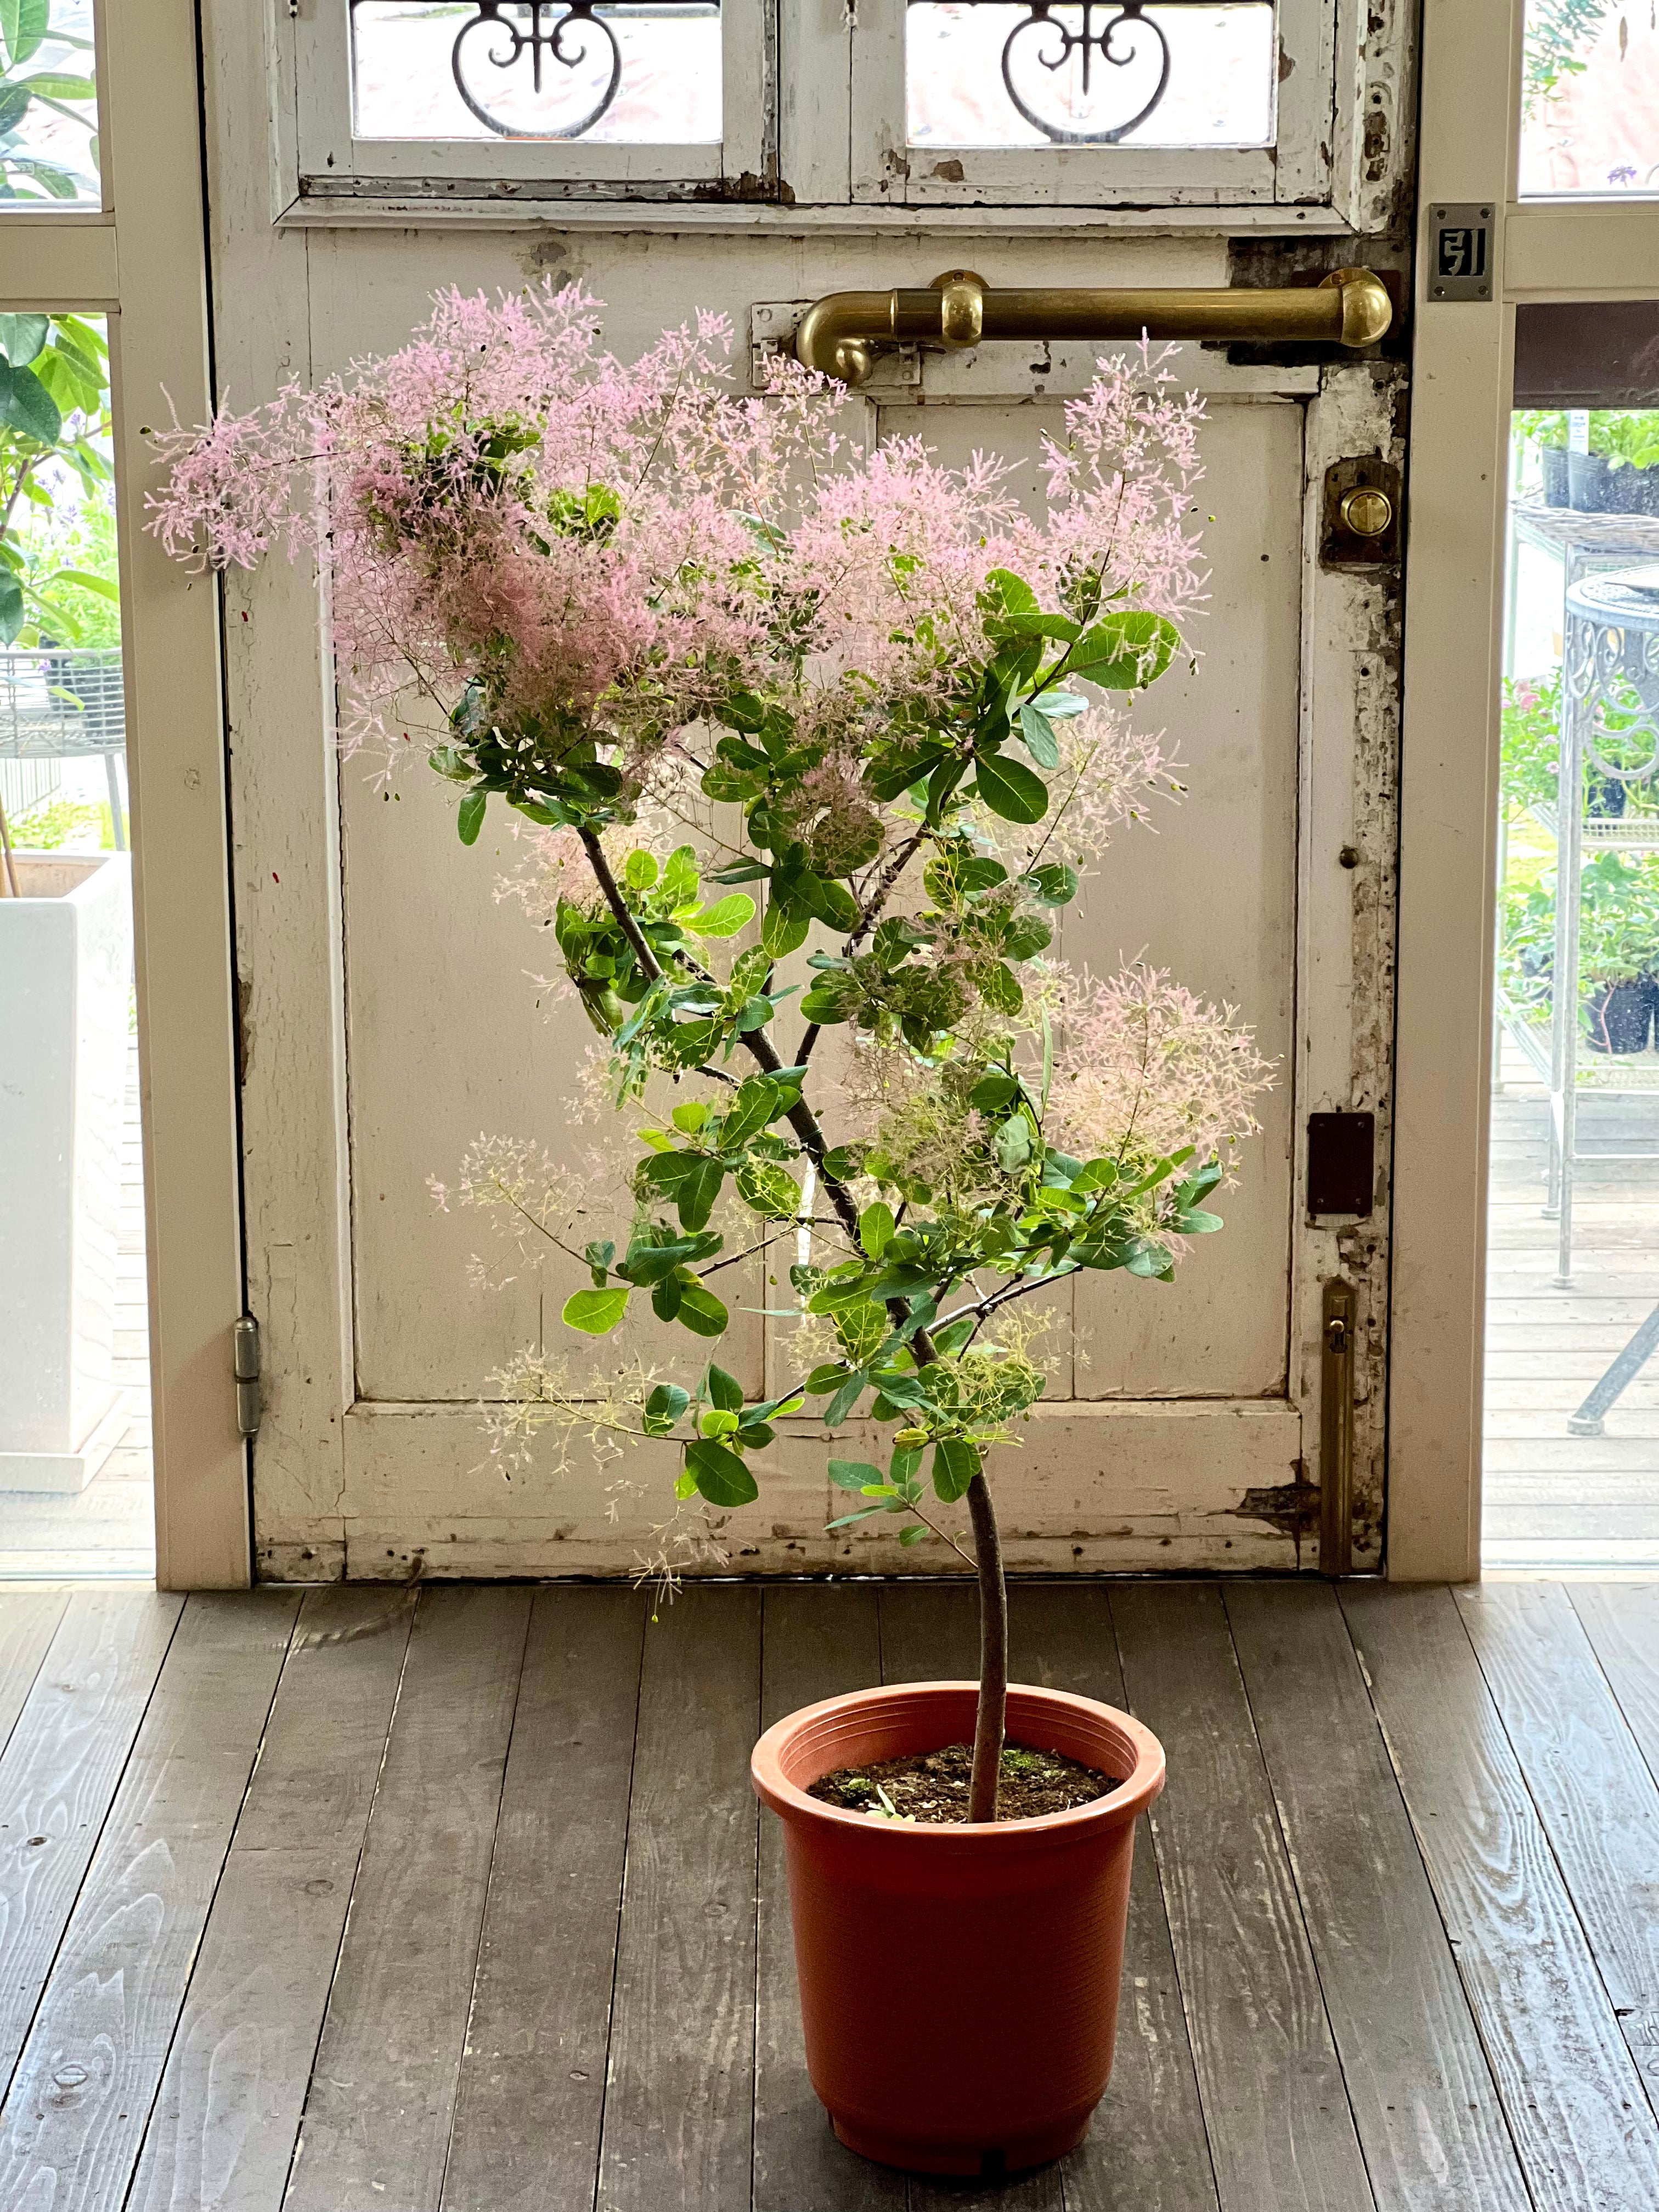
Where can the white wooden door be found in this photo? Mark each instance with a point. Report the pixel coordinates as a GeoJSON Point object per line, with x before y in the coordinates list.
{"type": "Point", "coordinates": [390, 1007]}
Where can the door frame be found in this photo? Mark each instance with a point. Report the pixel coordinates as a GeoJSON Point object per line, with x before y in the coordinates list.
{"type": "Point", "coordinates": [376, 1488]}
{"type": "Point", "coordinates": [147, 274]}
{"type": "Point", "coordinates": [1462, 386]}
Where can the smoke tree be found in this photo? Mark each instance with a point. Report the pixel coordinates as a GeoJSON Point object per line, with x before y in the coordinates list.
{"type": "Point", "coordinates": [762, 694]}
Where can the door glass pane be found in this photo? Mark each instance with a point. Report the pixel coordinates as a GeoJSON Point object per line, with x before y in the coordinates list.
{"type": "Point", "coordinates": [1007, 73]}
{"type": "Point", "coordinates": [1589, 99]}
{"type": "Point", "coordinates": [75, 1460]}
{"type": "Point", "coordinates": [645, 72]}
{"type": "Point", "coordinates": [1572, 1384]}
{"type": "Point", "coordinates": [48, 104]}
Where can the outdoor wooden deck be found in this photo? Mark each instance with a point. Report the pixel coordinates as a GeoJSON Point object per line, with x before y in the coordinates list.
{"type": "Point", "coordinates": [1394, 1939]}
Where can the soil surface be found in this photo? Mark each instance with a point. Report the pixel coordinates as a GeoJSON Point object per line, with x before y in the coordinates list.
{"type": "Point", "coordinates": [932, 1785]}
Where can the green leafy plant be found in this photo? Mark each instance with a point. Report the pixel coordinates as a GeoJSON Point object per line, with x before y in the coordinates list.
{"type": "Point", "coordinates": [54, 408]}
{"type": "Point", "coordinates": [782, 714]}
{"type": "Point", "coordinates": [44, 66]}
{"type": "Point", "coordinates": [1559, 34]}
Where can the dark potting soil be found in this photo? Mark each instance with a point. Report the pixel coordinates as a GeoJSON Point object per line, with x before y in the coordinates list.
{"type": "Point", "coordinates": [932, 1785]}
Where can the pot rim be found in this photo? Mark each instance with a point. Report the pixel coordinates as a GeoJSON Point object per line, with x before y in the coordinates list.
{"type": "Point", "coordinates": [1133, 1793]}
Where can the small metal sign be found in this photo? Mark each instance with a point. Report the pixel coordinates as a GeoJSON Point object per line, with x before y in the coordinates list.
{"type": "Point", "coordinates": [1460, 251]}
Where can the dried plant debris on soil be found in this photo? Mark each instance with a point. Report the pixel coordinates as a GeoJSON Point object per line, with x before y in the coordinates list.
{"type": "Point", "coordinates": [932, 1785]}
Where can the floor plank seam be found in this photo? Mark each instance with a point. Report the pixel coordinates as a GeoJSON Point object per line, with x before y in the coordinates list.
{"type": "Point", "coordinates": [91, 1856]}
{"type": "Point", "coordinates": [615, 1948]}
{"type": "Point", "coordinates": [1187, 2011]}
{"type": "Point", "coordinates": [1163, 1902]}
{"type": "Point", "coordinates": [1454, 1948]}
{"type": "Point", "coordinates": [298, 2143]}
{"type": "Point", "coordinates": [1612, 1691]}
{"type": "Point", "coordinates": [483, 1903]}
{"type": "Point", "coordinates": [1282, 1829]}
{"type": "Point", "coordinates": [39, 1665]}
{"type": "Point", "coordinates": [183, 1994]}
{"type": "Point", "coordinates": [1568, 1889]}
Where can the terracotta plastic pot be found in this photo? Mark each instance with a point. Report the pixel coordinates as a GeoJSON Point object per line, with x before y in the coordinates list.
{"type": "Point", "coordinates": [958, 1985]}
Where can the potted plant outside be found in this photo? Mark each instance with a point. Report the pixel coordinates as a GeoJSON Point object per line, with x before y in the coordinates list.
{"type": "Point", "coordinates": [782, 715]}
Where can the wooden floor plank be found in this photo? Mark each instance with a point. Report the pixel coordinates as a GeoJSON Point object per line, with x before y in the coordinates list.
{"type": "Point", "coordinates": [1429, 2119]}
{"type": "Point", "coordinates": [382, 2097]}
{"type": "Point", "coordinates": [680, 2099]}
{"type": "Point", "coordinates": [818, 1641]}
{"type": "Point", "coordinates": [527, 2116]}
{"type": "Point", "coordinates": [1147, 2150]}
{"type": "Point", "coordinates": [1598, 1801]}
{"type": "Point", "coordinates": [1622, 1622]}
{"type": "Point", "coordinates": [1280, 2131]}
{"type": "Point", "coordinates": [28, 1620]}
{"type": "Point", "coordinates": [58, 1776]}
{"type": "Point", "coordinates": [227, 2119]}
{"type": "Point", "coordinates": [930, 1633]}
{"type": "Point", "coordinates": [73, 2122]}
{"type": "Point", "coordinates": [1581, 2124]}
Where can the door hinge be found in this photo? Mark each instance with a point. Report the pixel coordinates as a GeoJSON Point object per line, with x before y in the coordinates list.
{"type": "Point", "coordinates": [1336, 1365]}
{"type": "Point", "coordinates": [244, 1349]}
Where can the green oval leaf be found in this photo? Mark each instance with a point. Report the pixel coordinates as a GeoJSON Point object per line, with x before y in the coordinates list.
{"type": "Point", "coordinates": [956, 1462]}
{"type": "Point", "coordinates": [596, 1313]}
{"type": "Point", "coordinates": [469, 818]}
{"type": "Point", "coordinates": [1012, 790]}
{"type": "Point", "coordinates": [719, 1474]}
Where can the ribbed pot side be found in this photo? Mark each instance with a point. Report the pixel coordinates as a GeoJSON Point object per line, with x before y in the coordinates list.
{"type": "Point", "coordinates": [958, 1985]}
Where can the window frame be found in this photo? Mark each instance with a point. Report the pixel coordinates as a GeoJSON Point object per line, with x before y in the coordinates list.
{"type": "Point", "coordinates": [1296, 169]}
{"type": "Point", "coordinates": [814, 106]}
{"type": "Point", "coordinates": [333, 163]}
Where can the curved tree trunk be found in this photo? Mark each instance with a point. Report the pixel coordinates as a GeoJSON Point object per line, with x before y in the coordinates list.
{"type": "Point", "coordinates": [991, 1718]}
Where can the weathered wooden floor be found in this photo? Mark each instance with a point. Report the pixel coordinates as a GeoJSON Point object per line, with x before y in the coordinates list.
{"type": "Point", "coordinates": [1553, 1499]}
{"type": "Point", "coordinates": [352, 1898]}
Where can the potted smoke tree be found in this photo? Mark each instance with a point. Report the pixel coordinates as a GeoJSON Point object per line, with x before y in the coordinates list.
{"type": "Point", "coordinates": [815, 742]}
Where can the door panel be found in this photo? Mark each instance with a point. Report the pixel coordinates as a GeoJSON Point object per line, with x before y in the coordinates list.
{"type": "Point", "coordinates": [1187, 1436]}
{"type": "Point", "coordinates": [1208, 893]}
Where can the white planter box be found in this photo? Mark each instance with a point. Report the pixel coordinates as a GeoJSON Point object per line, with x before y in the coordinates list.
{"type": "Point", "coordinates": [65, 983]}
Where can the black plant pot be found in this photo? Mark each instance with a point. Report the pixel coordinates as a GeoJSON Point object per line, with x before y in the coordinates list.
{"type": "Point", "coordinates": [1635, 490]}
{"type": "Point", "coordinates": [1606, 796]}
{"type": "Point", "coordinates": [1588, 483]}
{"type": "Point", "coordinates": [1619, 1017]}
{"type": "Point", "coordinates": [1554, 458]}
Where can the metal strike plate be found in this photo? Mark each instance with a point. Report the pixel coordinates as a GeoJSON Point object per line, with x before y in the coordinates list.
{"type": "Point", "coordinates": [771, 327]}
{"type": "Point", "coordinates": [1459, 258]}
{"type": "Point", "coordinates": [1360, 522]}
{"type": "Point", "coordinates": [1342, 1164]}
{"type": "Point", "coordinates": [1339, 1312]}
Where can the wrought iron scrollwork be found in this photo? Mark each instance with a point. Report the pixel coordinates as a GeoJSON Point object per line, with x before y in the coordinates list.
{"type": "Point", "coordinates": [502, 34]}
{"type": "Point", "coordinates": [1090, 37]}
{"type": "Point", "coordinates": [569, 49]}
{"type": "Point", "coordinates": [1120, 32]}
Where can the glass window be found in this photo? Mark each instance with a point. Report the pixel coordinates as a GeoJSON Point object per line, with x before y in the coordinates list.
{"type": "Point", "coordinates": [1046, 72]}
{"type": "Point", "coordinates": [1572, 1336]}
{"type": "Point", "coordinates": [48, 105]}
{"type": "Point", "coordinates": [1589, 99]}
{"type": "Point", "coordinates": [76, 1494]}
{"type": "Point", "coordinates": [645, 72]}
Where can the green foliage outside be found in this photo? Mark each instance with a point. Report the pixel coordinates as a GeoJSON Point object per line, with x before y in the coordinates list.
{"type": "Point", "coordinates": [1560, 34]}
{"type": "Point", "coordinates": [44, 66]}
{"type": "Point", "coordinates": [54, 414]}
{"type": "Point", "coordinates": [1627, 436]}
{"type": "Point", "coordinates": [55, 823]}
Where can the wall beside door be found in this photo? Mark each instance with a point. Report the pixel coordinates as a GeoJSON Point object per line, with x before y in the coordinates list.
{"type": "Point", "coordinates": [388, 996]}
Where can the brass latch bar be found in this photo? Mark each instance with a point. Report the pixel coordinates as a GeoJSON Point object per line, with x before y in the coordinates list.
{"type": "Point", "coordinates": [1338, 1313]}
{"type": "Point", "coordinates": [838, 333]}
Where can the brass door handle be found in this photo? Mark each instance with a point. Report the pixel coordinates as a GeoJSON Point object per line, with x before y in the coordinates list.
{"type": "Point", "coordinates": [838, 334]}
